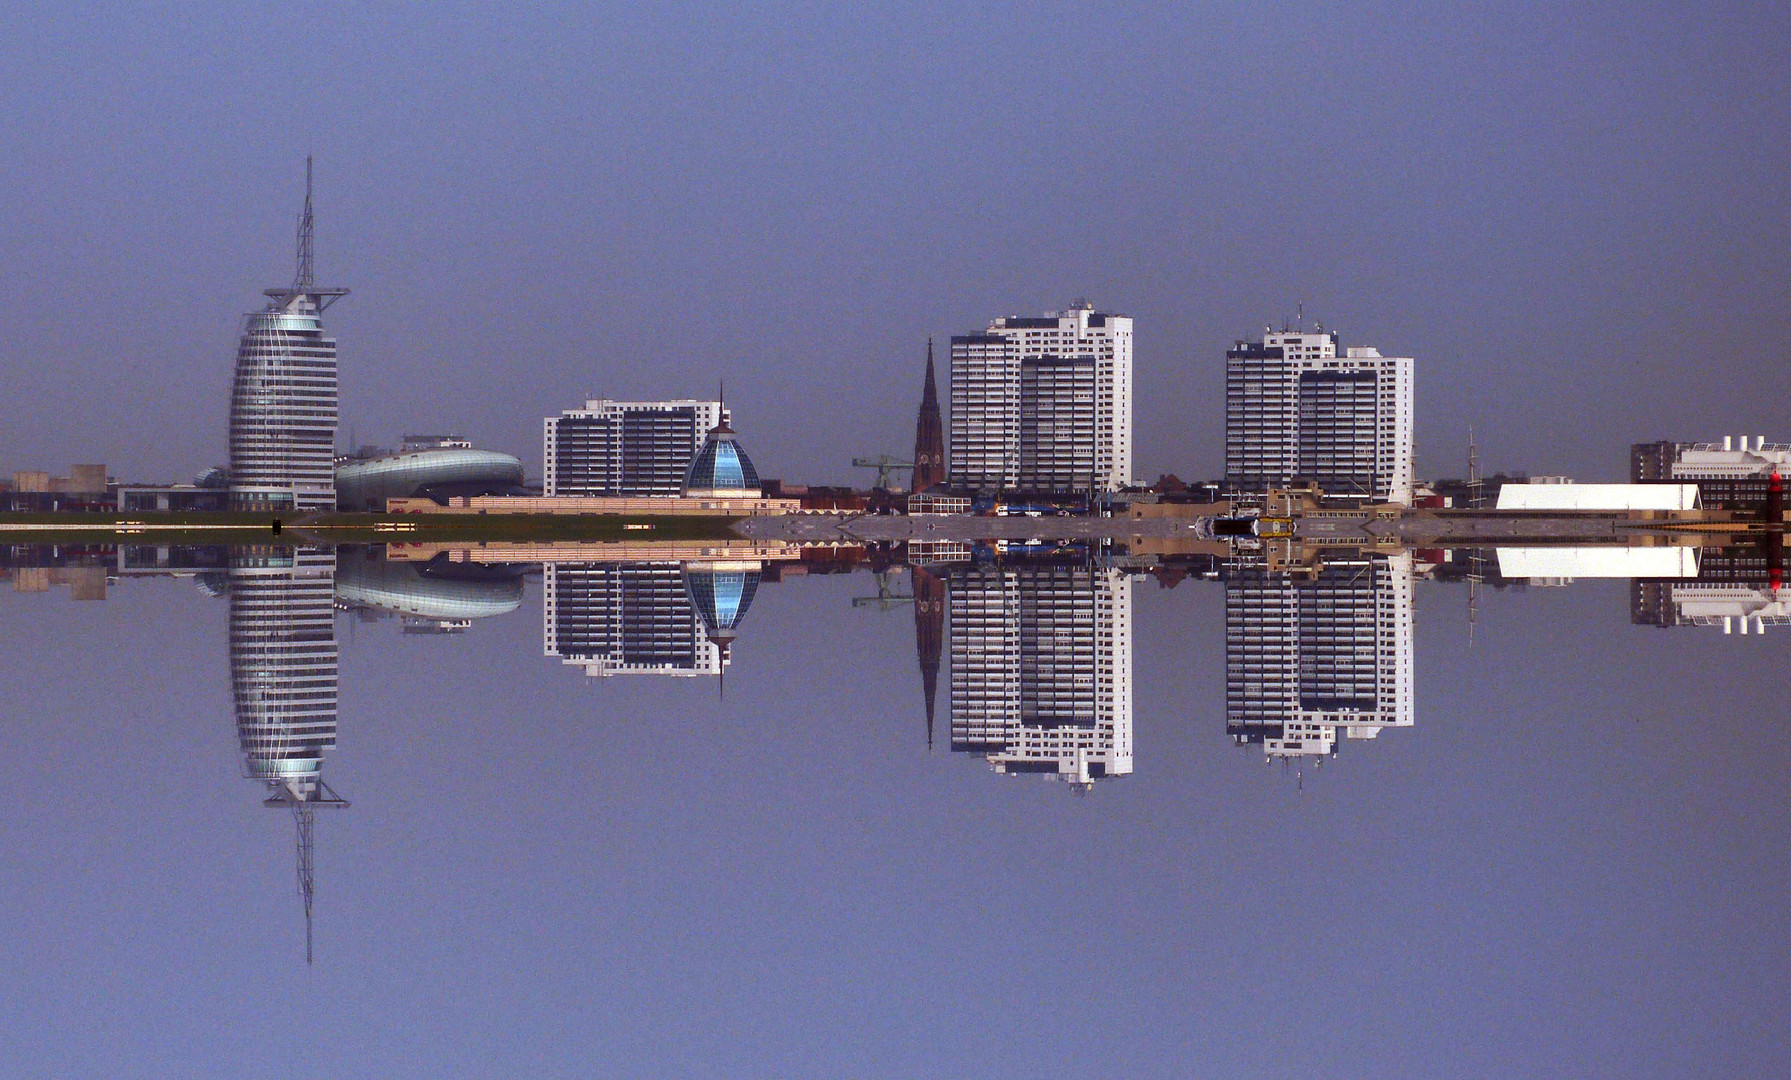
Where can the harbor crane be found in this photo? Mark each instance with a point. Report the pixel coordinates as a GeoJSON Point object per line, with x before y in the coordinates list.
{"type": "Point", "coordinates": [885, 466]}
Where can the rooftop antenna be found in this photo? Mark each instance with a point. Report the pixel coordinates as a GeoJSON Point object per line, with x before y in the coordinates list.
{"type": "Point", "coordinates": [305, 279]}
{"type": "Point", "coordinates": [304, 282]}
{"type": "Point", "coordinates": [1300, 309]}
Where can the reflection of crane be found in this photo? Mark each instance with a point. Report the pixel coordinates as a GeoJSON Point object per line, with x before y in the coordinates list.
{"type": "Point", "coordinates": [885, 465]}
{"type": "Point", "coordinates": [885, 600]}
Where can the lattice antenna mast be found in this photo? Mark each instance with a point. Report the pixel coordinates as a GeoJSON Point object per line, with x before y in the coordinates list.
{"type": "Point", "coordinates": [306, 279]}
{"type": "Point", "coordinates": [306, 819]}
{"type": "Point", "coordinates": [304, 282]}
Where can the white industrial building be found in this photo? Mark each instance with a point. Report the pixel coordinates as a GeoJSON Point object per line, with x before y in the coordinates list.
{"type": "Point", "coordinates": [625, 448]}
{"type": "Point", "coordinates": [1559, 565]}
{"type": "Point", "coordinates": [1737, 608]}
{"type": "Point", "coordinates": [1297, 411]}
{"type": "Point", "coordinates": [1551, 493]}
{"type": "Point", "coordinates": [1043, 404]}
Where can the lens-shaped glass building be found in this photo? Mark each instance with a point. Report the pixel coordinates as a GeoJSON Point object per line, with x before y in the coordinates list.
{"type": "Point", "coordinates": [283, 410]}
{"type": "Point", "coordinates": [283, 400]}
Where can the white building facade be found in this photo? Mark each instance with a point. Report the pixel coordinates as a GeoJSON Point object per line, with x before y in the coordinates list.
{"type": "Point", "coordinates": [625, 619]}
{"type": "Point", "coordinates": [628, 448]}
{"type": "Point", "coordinates": [1307, 656]}
{"type": "Point", "coordinates": [1297, 411]}
{"type": "Point", "coordinates": [1041, 669]}
{"type": "Point", "coordinates": [1043, 404]}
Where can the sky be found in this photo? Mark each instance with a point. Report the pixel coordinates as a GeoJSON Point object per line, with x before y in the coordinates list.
{"type": "Point", "coordinates": [1574, 216]}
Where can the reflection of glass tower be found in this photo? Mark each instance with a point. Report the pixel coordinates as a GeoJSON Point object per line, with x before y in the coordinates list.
{"type": "Point", "coordinates": [1041, 669]}
{"type": "Point", "coordinates": [616, 618]}
{"type": "Point", "coordinates": [1305, 656]}
{"type": "Point", "coordinates": [283, 678]}
{"type": "Point", "coordinates": [283, 400]}
{"type": "Point", "coordinates": [721, 592]}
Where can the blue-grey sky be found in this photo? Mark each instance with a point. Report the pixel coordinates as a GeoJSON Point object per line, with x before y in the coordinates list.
{"type": "Point", "coordinates": [1573, 215]}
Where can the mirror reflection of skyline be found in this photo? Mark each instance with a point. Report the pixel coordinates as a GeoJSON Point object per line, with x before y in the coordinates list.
{"type": "Point", "coordinates": [1034, 644]}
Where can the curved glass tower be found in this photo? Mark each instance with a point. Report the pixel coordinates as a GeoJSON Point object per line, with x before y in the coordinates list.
{"type": "Point", "coordinates": [283, 400]}
{"type": "Point", "coordinates": [283, 679]}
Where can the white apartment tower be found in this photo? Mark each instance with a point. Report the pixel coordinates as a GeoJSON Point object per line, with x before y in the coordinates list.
{"type": "Point", "coordinates": [1297, 411]}
{"type": "Point", "coordinates": [1305, 656]}
{"type": "Point", "coordinates": [625, 618]}
{"type": "Point", "coordinates": [1041, 669]}
{"type": "Point", "coordinates": [627, 448]}
{"type": "Point", "coordinates": [1043, 404]}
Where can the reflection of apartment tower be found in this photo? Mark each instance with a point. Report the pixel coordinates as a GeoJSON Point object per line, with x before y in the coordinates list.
{"type": "Point", "coordinates": [626, 618]}
{"type": "Point", "coordinates": [283, 679]}
{"type": "Point", "coordinates": [283, 399]}
{"type": "Point", "coordinates": [631, 448]}
{"type": "Point", "coordinates": [1296, 411]}
{"type": "Point", "coordinates": [1041, 669]}
{"type": "Point", "coordinates": [1306, 656]}
{"type": "Point", "coordinates": [1043, 404]}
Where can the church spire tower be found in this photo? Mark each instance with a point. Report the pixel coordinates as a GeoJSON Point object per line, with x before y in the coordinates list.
{"type": "Point", "coordinates": [929, 435]}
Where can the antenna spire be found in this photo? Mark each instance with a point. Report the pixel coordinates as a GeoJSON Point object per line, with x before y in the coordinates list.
{"type": "Point", "coordinates": [306, 278]}
{"type": "Point", "coordinates": [307, 885]}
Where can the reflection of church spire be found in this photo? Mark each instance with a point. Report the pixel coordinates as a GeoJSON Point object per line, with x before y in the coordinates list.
{"type": "Point", "coordinates": [929, 435]}
{"type": "Point", "coordinates": [929, 636]}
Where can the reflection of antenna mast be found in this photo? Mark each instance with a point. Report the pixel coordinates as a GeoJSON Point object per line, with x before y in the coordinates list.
{"type": "Point", "coordinates": [304, 806]}
{"type": "Point", "coordinates": [307, 882]}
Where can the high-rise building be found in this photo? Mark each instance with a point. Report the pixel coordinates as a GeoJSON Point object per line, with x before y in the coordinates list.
{"type": "Point", "coordinates": [283, 677]}
{"type": "Point", "coordinates": [283, 399]}
{"type": "Point", "coordinates": [1043, 404]}
{"type": "Point", "coordinates": [1296, 411]}
{"type": "Point", "coordinates": [626, 618]}
{"type": "Point", "coordinates": [1305, 656]}
{"type": "Point", "coordinates": [1041, 668]}
{"type": "Point", "coordinates": [627, 448]}
{"type": "Point", "coordinates": [929, 435]}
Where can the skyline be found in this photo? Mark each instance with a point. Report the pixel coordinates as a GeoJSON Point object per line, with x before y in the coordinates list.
{"type": "Point", "coordinates": [1602, 261]}
{"type": "Point", "coordinates": [1359, 574]}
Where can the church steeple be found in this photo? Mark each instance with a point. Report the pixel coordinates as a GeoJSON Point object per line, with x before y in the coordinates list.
{"type": "Point", "coordinates": [929, 435]}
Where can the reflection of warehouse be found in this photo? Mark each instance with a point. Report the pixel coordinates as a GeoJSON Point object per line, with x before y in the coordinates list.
{"type": "Point", "coordinates": [1041, 668]}
{"type": "Point", "coordinates": [1307, 655]}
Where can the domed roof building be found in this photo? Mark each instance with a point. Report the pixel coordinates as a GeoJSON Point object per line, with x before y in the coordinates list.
{"type": "Point", "coordinates": [721, 592]}
{"type": "Point", "coordinates": [721, 469]}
